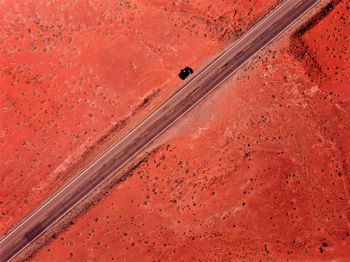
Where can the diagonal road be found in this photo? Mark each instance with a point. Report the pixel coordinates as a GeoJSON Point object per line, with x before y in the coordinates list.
{"type": "Point", "coordinates": [197, 87]}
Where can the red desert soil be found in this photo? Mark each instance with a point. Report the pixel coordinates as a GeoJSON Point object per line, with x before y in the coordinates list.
{"type": "Point", "coordinates": [71, 70]}
{"type": "Point", "coordinates": [329, 44]}
{"type": "Point", "coordinates": [261, 172]}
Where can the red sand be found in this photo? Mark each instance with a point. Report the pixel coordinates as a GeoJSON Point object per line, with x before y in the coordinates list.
{"type": "Point", "coordinates": [73, 69]}
{"type": "Point", "coordinates": [261, 172]}
{"type": "Point", "coordinates": [329, 43]}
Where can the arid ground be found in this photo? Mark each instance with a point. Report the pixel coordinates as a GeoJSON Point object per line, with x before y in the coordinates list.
{"type": "Point", "coordinates": [258, 171]}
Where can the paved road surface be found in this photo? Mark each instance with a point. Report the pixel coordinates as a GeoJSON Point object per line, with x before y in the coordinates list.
{"type": "Point", "coordinates": [196, 88]}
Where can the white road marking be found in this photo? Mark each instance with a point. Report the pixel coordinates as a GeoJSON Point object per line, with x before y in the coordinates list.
{"type": "Point", "coordinates": [138, 126]}
{"type": "Point", "coordinates": [17, 227]}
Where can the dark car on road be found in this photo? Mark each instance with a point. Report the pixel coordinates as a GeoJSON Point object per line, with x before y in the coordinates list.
{"type": "Point", "coordinates": [184, 73]}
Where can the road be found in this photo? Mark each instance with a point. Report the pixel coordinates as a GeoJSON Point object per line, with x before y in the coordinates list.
{"type": "Point", "coordinates": [194, 90]}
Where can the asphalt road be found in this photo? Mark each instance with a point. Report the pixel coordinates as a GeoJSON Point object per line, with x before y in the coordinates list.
{"type": "Point", "coordinates": [195, 89]}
